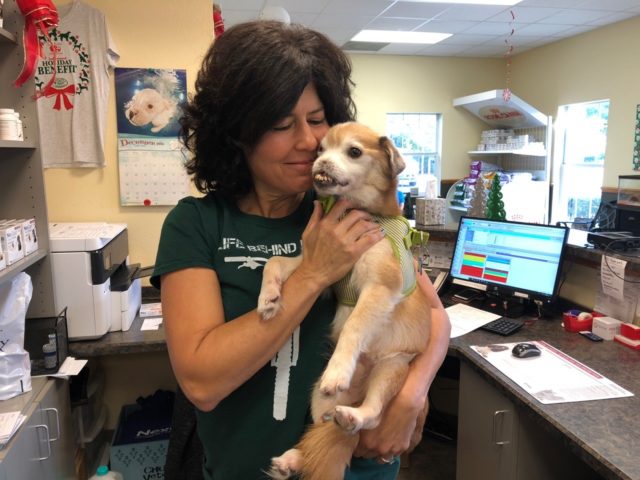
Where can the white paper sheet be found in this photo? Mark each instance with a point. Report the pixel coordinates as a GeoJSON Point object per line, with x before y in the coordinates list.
{"type": "Point", "coordinates": [151, 323]}
{"type": "Point", "coordinates": [612, 276]}
{"type": "Point", "coordinates": [465, 319]}
{"type": "Point", "coordinates": [9, 424]}
{"type": "Point", "coordinates": [552, 377]}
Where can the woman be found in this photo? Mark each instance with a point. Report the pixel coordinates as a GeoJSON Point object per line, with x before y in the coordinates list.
{"type": "Point", "coordinates": [265, 96]}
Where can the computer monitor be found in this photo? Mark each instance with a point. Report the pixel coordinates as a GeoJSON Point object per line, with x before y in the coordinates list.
{"type": "Point", "coordinates": [509, 258]}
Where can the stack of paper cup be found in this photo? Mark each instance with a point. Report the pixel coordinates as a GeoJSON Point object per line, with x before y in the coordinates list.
{"type": "Point", "coordinates": [430, 211]}
{"type": "Point", "coordinates": [10, 125]}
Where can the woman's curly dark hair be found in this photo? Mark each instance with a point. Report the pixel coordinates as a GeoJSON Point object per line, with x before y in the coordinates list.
{"type": "Point", "coordinates": [252, 77]}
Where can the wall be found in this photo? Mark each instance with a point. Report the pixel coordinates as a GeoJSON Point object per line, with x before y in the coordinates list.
{"type": "Point", "coordinates": [592, 66]}
{"type": "Point", "coordinates": [167, 35]}
{"type": "Point", "coordinates": [393, 84]}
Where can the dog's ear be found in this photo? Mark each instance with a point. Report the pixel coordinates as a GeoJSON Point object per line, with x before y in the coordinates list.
{"type": "Point", "coordinates": [396, 162]}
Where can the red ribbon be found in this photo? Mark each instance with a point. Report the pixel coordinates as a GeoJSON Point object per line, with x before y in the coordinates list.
{"type": "Point", "coordinates": [61, 95]}
{"type": "Point", "coordinates": [38, 15]}
{"type": "Point", "coordinates": [218, 23]}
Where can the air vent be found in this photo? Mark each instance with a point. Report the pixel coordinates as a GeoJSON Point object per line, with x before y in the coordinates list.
{"type": "Point", "coordinates": [364, 46]}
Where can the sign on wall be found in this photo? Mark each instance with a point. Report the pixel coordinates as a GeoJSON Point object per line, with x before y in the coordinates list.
{"type": "Point", "coordinates": [150, 157]}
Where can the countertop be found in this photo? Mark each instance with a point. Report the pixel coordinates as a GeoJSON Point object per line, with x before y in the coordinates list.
{"type": "Point", "coordinates": [604, 434]}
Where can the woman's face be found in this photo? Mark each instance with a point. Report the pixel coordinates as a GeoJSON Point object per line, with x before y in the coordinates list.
{"type": "Point", "coordinates": [282, 159]}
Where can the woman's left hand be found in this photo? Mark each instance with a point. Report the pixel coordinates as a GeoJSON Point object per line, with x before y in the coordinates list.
{"type": "Point", "coordinates": [392, 437]}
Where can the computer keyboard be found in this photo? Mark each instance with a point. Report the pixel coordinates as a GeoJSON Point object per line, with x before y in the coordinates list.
{"type": "Point", "coordinates": [502, 326]}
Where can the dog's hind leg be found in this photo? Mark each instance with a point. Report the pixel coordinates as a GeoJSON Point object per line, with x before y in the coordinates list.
{"type": "Point", "coordinates": [276, 271]}
{"type": "Point", "coordinates": [385, 380]}
{"type": "Point", "coordinates": [286, 465]}
{"type": "Point", "coordinates": [365, 325]}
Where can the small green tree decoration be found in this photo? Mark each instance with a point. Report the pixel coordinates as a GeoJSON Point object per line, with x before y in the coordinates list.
{"type": "Point", "coordinates": [478, 205]}
{"type": "Point", "coordinates": [495, 205]}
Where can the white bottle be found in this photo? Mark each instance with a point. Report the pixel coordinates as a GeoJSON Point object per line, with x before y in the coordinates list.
{"type": "Point", "coordinates": [8, 129]}
{"type": "Point", "coordinates": [103, 473]}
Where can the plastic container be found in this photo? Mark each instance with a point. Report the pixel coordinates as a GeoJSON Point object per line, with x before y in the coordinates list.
{"type": "Point", "coordinates": [103, 473]}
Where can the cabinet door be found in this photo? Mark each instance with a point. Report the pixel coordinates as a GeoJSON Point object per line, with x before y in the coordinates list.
{"type": "Point", "coordinates": [29, 449]}
{"type": "Point", "coordinates": [487, 431]}
{"type": "Point", "coordinates": [55, 413]}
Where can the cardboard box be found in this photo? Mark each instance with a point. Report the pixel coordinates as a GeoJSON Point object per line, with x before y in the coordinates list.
{"type": "Point", "coordinates": [141, 457]}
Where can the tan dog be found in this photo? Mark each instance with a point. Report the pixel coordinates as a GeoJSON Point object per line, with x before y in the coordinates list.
{"type": "Point", "coordinates": [149, 106]}
{"type": "Point", "coordinates": [378, 336]}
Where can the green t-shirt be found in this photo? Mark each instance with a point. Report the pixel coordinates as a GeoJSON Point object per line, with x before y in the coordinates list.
{"type": "Point", "coordinates": [267, 414]}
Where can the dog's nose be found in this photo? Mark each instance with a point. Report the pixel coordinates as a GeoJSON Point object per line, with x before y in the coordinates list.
{"type": "Point", "coordinates": [131, 114]}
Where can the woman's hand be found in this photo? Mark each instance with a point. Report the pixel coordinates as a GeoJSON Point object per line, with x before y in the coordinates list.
{"type": "Point", "coordinates": [331, 244]}
{"type": "Point", "coordinates": [392, 437]}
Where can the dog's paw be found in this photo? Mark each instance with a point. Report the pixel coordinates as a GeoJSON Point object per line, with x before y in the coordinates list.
{"type": "Point", "coordinates": [269, 301]}
{"type": "Point", "coordinates": [349, 418]}
{"type": "Point", "coordinates": [286, 465]}
{"type": "Point", "coordinates": [334, 381]}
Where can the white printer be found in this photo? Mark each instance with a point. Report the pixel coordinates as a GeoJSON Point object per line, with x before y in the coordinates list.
{"type": "Point", "coordinates": [92, 277]}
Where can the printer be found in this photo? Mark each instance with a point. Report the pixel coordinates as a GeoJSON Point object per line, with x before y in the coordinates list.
{"type": "Point", "coordinates": [92, 277]}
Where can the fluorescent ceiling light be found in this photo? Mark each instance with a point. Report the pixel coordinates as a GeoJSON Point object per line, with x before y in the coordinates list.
{"type": "Point", "coordinates": [470, 2]}
{"type": "Point", "coordinates": [392, 36]}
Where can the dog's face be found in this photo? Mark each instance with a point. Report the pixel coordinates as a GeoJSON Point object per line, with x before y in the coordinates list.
{"type": "Point", "coordinates": [148, 105]}
{"type": "Point", "coordinates": [355, 162]}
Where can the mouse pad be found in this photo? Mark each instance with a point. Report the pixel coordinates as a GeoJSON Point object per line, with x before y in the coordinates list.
{"type": "Point", "coordinates": [553, 376]}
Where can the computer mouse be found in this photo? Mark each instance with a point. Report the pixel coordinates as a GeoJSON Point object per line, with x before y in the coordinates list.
{"type": "Point", "coordinates": [525, 350]}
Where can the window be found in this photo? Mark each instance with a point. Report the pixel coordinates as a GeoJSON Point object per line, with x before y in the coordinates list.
{"type": "Point", "coordinates": [418, 138]}
{"type": "Point", "coordinates": [581, 132]}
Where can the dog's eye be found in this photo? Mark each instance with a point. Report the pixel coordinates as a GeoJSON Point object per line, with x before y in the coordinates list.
{"type": "Point", "coordinates": [150, 106]}
{"type": "Point", "coordinates": [320, 149]}
{"type": "Point", "coordinates": [355, 152]}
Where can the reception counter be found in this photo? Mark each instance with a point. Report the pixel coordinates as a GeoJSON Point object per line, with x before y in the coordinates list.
{"type": "Point", "coordinates": [581, 440]}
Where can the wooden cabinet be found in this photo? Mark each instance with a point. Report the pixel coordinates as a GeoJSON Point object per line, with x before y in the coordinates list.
{"type": "Point", "coordinates": [43, 447]}
{"type": "Point", "coordinates": [22, 193]}
{"type": "Point", "coordinates": [498, 441]}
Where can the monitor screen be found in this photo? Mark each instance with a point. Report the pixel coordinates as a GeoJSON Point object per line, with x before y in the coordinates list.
{"type": "Point", "coordinates": [509, 258]}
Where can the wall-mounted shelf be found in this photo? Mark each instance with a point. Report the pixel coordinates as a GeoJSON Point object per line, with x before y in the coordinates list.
{"type": "Point", "coordinates": [523, 151]}
{"type": "Point", "coordinates": [22, 192]}
{"type": "Point", "coordinates": [15, 268]}
{"type": "Point", "coordinates": [7, 36]}
{"type": "Point", "coordinates": [17, 144]}
{"type": "Point", "coordinates": [509, 119]}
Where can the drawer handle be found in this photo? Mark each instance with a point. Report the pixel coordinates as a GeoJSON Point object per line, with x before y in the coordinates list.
{"type": "Point", "coordinates": [46, 431]}
{"type": "Point", "coordinates": [55, 410]}
{"type": "Point", "coordinates": [496, 415]}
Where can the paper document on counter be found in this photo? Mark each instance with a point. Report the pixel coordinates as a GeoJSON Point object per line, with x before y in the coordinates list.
{"type": "Point", "coordinates": [151, 323]}
{"type": "Point", "coordinates": [465, 319]}
{"type": "Point", "coordinates": [552, 377]}
{"type": "Point", "coordinates": [9, 424]}
{"type": "Point", "coordinates": [151, 309]}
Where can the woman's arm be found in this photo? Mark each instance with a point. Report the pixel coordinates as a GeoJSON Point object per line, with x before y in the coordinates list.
{"type": "Point", "coordinates": [211, 357]}
{"type": "Point", "coordinates": [393, 435]}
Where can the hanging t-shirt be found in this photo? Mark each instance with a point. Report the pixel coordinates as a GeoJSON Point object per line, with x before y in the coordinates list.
{"type": "Point", "coordinates": [72, 110]}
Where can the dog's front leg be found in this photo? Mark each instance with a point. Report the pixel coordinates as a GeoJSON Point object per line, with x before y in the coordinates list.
{"type": "Point", "coordinates": [365, 324]}
{"type": "Point", "coordinates": [276, 271]}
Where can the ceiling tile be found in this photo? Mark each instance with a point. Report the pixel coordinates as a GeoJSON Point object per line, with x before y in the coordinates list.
{"type": "Point", "coordinates": [445, 26]}
{"type": "Point", "coordinates": [417, 10]}
{"type": "Point", "coordinates": [494, 28]}
{"type": "Point", "coordinates": [358, 7]}
{"type": "Point", "coordinates": [574, 17]}
{"type": "Point", "coordinates": [476, 13]}
{"type": "Point", "coordinates": [401, 49]}
{"type": "Point", "coordinates": [542, 29]}
{"type": "Point", "coordinates": [523, 14]}
{"type": "Point", "coordinates": [610, 5]}
{"type": "Point", "coordinates": [390, 23]}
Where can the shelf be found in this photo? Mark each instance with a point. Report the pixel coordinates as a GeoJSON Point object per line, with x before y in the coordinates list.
{"type": "Point", "coordinates": [522, 151]}
{"type": "Point", "coordinates": [460, 209]}
{"type": "Point", "coordinates": [17, 144]}
{"type": "Point", "coordinates": [7, 37]}
{"type": "Point", "coordinates": [15, 268]}
{"type": "Point", "coordinates": [492, 109]}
